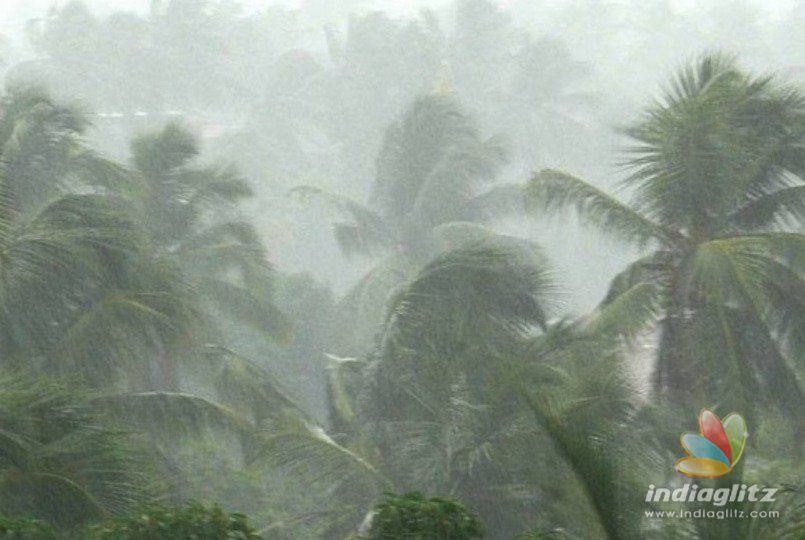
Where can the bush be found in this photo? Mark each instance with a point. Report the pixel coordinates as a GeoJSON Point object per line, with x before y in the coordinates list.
{"type": "Point", "coordinates": [412, 516]}
{"type": "Point", "coordinates": [194, 521]}
{"type": "Point", "coordinates": [25, 529]}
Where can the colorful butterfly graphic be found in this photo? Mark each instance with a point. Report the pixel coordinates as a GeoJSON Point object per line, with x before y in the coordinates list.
{"type": "Point", "coordinates": [715, 450]}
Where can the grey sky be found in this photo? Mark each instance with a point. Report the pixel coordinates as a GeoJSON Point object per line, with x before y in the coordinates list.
{"type": "Point", "coordinates": [15, 12]}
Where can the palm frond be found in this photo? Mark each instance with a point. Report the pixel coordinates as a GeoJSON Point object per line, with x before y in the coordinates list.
{"type": "Point", "coordinates": [597, 466]}
{"type": "Point", "coordinates": [70, 503]}
{"type": "Point", "coordinates": [719, 140]}
{"type": "Point", "coordinates": [452, 182]}
{"type": "Point", "coordinates": [653, 268]}
{"type": "Point", "coordinates": [63, 261]}
{"type": "Point", "coordinates": [744, 265]}
{"type": "Point", "coordinates": [160, 153]}
{"type": "Point", "coordinates": [786, 313]}
{"type": "Point", "coordinates": [552, 191]}
{"type": "Point", "coordinates": [695, 78]}
{"type": "Point", "coordinates": [430, 135]}
{"type": "Point", "coordinates": [173, 413]}
{"type": "Point", "coordinates": [59, 459]}
{"type": "Point", "coordinates": [93, 169]}
{"type": "Point", "coordinates": [731, 269]}
{"type": "Point", "coordinates": [245, 386]}
{"type": "Point", "coordinates": [242, 304]}
{"type": "Point", "coordinates": [456, 234]}
{"type": "Point", "coordinates": [355, 240]}
{"type": "Point", "coordinates": [14, 450]}
{"type": "Point", "coordinates": [222, 246]}
{"type": "Point", "coordinates": [213, 184]}
{"type": "Point", "coordinates": [782, 207]}
{"type": "Point", "coordinates": [307, 451]}
{"type": "Point", "coordinates": [498, 286]}
{"type": "Point", "coordinates": [628, 313]}
{"type": "Point", "coordinates": [740, 271]}
{"type": "Point", "coordinates": [39, 140]}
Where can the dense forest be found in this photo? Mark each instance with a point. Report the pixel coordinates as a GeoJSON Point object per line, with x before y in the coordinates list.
{"type": "Point", "coordinates": [330, 272]}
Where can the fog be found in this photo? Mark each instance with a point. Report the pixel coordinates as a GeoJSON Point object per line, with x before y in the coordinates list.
{"type": "Point", "coordinates": [308, 252]}
{"type": "Point", "coordinates": [622, 51]}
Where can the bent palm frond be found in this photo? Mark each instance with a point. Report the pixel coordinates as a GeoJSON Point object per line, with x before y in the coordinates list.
{"type": "Point", "coordinates": [247, 387]}
{"type": "Point", "coordinates": [172, 413]}
{"type": "Point", "coordinates": [501, 285]}
{"type": "Point", "coordinates": [782, 207]}
{"type": "Point", "coordinates": [244, 305]}
{"type": "Point", "coordinates": [628, 313]}
{"type": "Point", "coordinates": [306, 450]}
{"type": "Point", "coordinates": [552, 191]}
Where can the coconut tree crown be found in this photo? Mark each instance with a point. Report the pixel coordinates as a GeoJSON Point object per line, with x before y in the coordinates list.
{"type": "Point", "coordinates": [717, 184]}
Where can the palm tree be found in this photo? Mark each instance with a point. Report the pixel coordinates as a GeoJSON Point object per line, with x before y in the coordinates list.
{"type": "Point", "coordinates": [43, 149]}
{"type": "Point", "coordinates": [77, 262]}
{"type": "Point", "coordinates": [93, 308]}
{"type": "Point", "coordinates": [466, 359]}
{"type": "Point", "coordinates": [474, 394]}
{"type": "Point", "coordinates": [190, 213]}
{"type": "Point", "coordinates": [531, 88]}
{"type": "Point", "coordinates": [110, 298]}
{"type": "Point", "coordinates": [203, 264]}
{"type": "Point", "coordinates": [428, 197]}
{"type": "Point", "coordinates": [718, 201]}
{"type": "Point", "coordinates": [437, 391]}
{"type": "Point", "coordinates": [58, 462]}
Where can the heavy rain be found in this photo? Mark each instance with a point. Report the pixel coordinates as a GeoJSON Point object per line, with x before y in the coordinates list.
{"type": "Point", "coordinates": [402, 269]}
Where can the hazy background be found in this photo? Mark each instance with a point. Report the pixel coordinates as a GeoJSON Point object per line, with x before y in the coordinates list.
{"type": "Point", "coordinates": [612, 56]}
{"type": "Point", "coordinates": [300, 180]}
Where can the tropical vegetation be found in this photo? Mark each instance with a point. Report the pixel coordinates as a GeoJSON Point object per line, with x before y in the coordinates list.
{"type": "Point", "coordinates": [163, 376]}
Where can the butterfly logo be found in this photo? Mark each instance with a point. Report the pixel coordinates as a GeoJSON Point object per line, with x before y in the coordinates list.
{"type": "Point", "coordinates": [715, 450]}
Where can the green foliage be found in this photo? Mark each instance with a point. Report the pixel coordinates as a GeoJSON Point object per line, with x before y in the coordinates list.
{"type": "Point", "coordinates": [434, 172]}
{"type": "Point", "coordinates": [716, 178]}
{"type": "Point", "coordinates": [108, 302]}
{"type": "Point", "coordinates": [58, 460]}
{"type": "Point", "coordinates": [416, 517]}
{"type": "Point", "coordinates": [471, 386]}
{"type": "Point", "coordinates": [190, 522]}
{"type": "Point", "coordinates": [552, 191]}
{"type": "Point", "coordinates": [43, 153]}
{"type": "Point", "coordinates": [432, 169]}
{"type": "Point", "coordinates": [25, 529]}
{"type": "Point", "coordinates": [187, 210]}
{"type": "Point", "coordinates": [441, 395]}
{"type": "Point", "coordinates": [80, 263]}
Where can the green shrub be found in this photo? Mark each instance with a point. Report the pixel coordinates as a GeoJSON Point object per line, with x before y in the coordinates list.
{"type": "Point", "coordinates": [412, 516]}
{"type": "Point", "coordinates": [25, 529]}
{"type": "Point", "coordinates": [194, 521]}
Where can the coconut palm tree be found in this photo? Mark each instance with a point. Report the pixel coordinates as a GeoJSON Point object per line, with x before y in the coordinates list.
{"type": "Point", "coordinates": [92, 307]}
{"type": "Point", "coordinates": [43, 150]}
{"type": "Point", "coordinates": [57, 460]}
{"type": "Point", "coordinates": [430, 194]}
{"type": "Point", "coordinates": [105, 291]}
{"type": "Point", "coordinates": [533, 89]}
{"type": "Point", "coordinates": [190, 214]}
{"type": "Point", "coordinates": [76, 262]}
{"type": "Point", "coordinates": [472, 393]}
{"type": "Point", "coordinates": [718, 201]}
{"type": "Point", "coordinates": [448, 400]}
